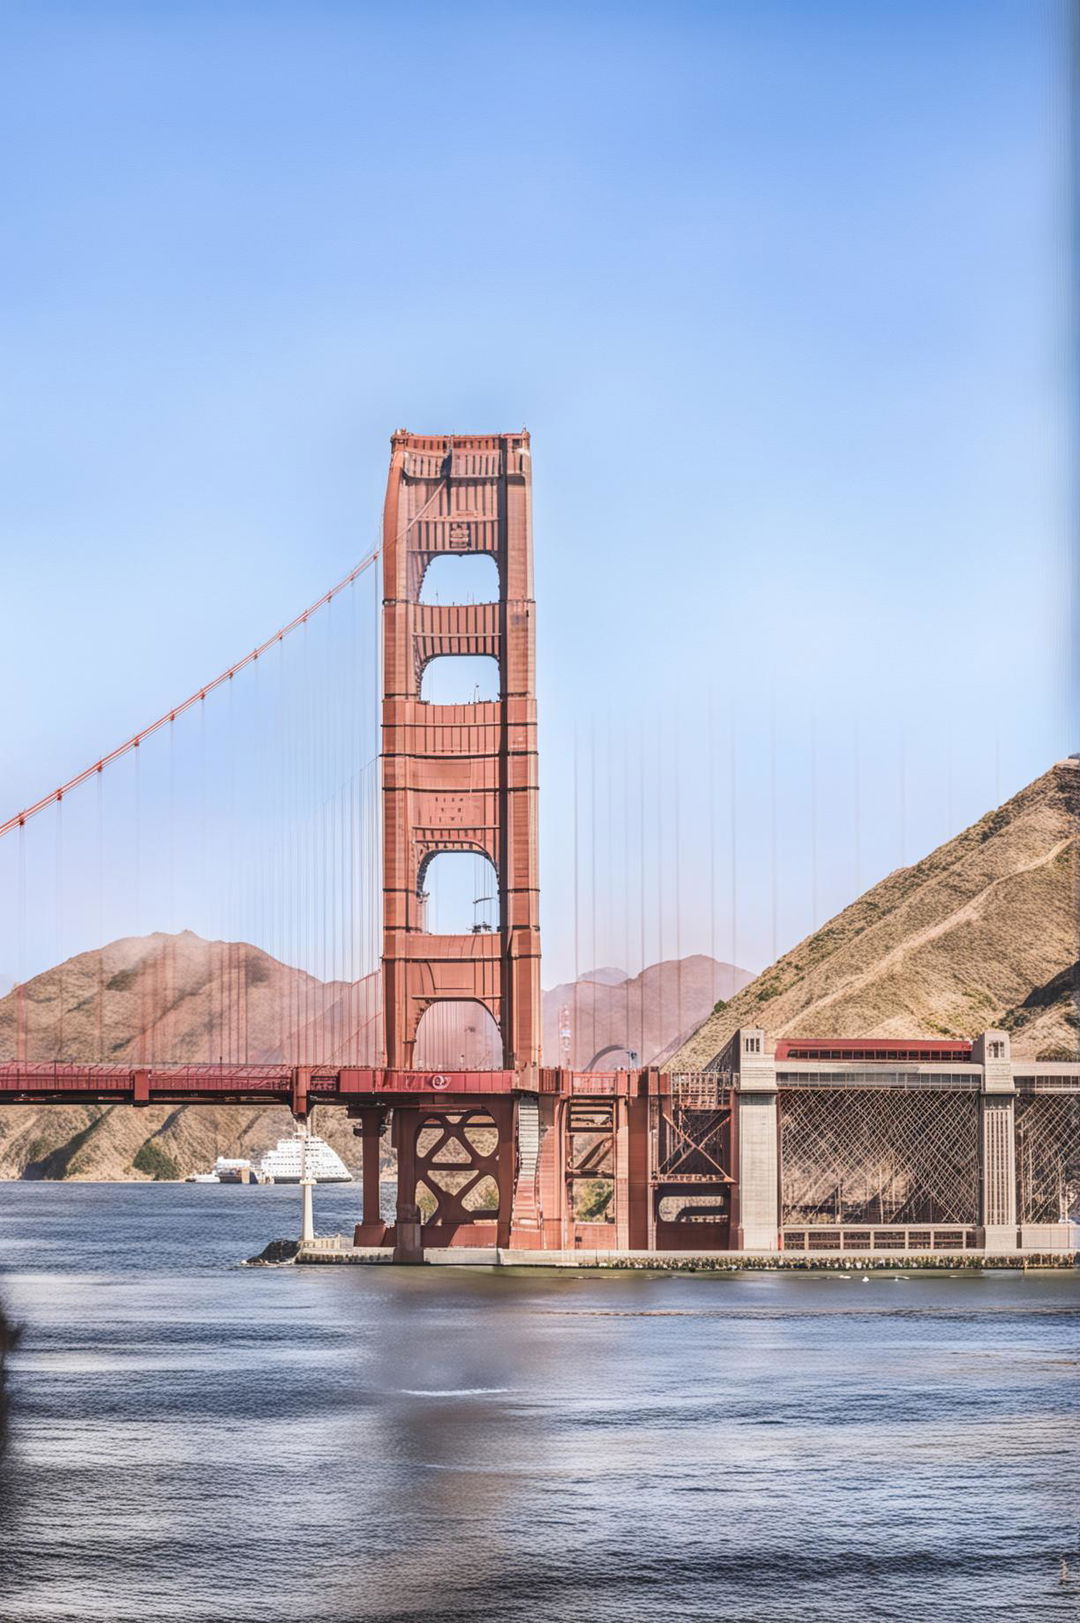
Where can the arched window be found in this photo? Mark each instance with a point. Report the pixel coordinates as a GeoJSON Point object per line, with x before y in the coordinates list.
{"type": "Point", "coordinates": [460, 679]}
{"type": "Point", "coordinates": [471, 577]}
{"type": "Point", "coordinates": [458, 1035]}
{"type": "Point", "coordinates": [460, 891]}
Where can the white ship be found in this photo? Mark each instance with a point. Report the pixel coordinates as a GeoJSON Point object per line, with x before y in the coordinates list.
{"type": "Point", "coordinates": [285, 1163]}
{"type": "Point", "coordinates": [229, 1170]}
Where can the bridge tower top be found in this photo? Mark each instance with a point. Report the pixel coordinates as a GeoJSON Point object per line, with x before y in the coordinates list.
{"type": "Point", "coordinates": [459, 777]}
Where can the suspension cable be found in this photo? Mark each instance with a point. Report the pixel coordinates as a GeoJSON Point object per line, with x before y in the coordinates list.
{"type": "Point", "coordinates": [136, 739]}
{"type": "Point", "coordinates": [226, 676]}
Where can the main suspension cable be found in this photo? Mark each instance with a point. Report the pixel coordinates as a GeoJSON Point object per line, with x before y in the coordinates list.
{"type": "Point", "coordinates": [136, 739]}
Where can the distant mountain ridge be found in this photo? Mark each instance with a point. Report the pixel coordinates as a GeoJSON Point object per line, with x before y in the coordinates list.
{"type": "Point", "coordinates": [592, 1022]}
{"type": "Point", "coordinates": [608, 976]}
{"type": "Point", "coordinates": [172, 998]}
{"type": "Point", "coordinates": [177, 998]}
{"type": "Point", "coordinates": [982, 932]}
{"type": "Point", "coordinates": [182, 999]}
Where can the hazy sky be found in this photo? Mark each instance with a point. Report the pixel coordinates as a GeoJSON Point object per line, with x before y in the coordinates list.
{"type": "Point", "coordinates": [779, 290]}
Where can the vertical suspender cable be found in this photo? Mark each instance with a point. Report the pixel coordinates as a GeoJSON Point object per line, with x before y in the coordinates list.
{"type": "Point", "coordinates": [100, 916]}
{"type": "Point", "coordinates": [773, 934]}
{"type": "Point", "coordinates": [813, 824]}
{"type": "Point", "coordinates": [661, 862]}
{"type": "Point", "coordinates": [594, 961]}
{"type": "Point", "coordinates": [574, 1058]}
{"type": "Point", "coordinates": [143, 967]}
{"type": "Point", "coordinates": [59, 881]}
{"type": "Point", "coordinates": [605, 899]}
{"type": "Point", "coordinates": [711, 814]}
{"type": "Point", "coordinates": [903, 795]}
{"type": "Point", "coordinates": [677, 776]}
{"type": "Point", "coordinates": [170, 970]}
{"type": "Point", "coordinates": [624, 808]}
{"type": "Point", "coordinates": [641, 890]}
{"type": "Point", "coordinates": [857, 842]}
{"type": "Point", "coordinates": [734, 837]}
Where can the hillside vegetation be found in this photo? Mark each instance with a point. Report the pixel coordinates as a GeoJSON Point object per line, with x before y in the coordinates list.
{"type": "Point", "coordinates": [982, 932]}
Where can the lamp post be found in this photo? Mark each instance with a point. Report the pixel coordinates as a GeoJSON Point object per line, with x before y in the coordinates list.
{"type": "Point", "coordinates": [307, 1182]}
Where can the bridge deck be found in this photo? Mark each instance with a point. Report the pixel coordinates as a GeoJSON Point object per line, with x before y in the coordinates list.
{"type": "Point", "coordinates": [23, 1082]}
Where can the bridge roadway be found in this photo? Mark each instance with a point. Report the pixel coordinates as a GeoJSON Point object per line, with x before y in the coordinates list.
{"type": "Point", "coordinates": [749, 1157]}
{"type": "Point", "coordinates": [298, 1086]}
{"type": "Point", "coordinates": [513, 1131]}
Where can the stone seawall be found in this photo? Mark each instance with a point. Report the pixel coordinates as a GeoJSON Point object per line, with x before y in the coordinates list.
{"type": "Point", "coordinates": [334, 1250]}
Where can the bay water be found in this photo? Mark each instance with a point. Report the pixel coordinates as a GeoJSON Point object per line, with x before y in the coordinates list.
{"type": "Point", "coordinates": [193, 1439]}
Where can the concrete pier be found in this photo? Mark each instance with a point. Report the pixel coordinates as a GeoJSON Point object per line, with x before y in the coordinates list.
{"type": "Point", "coordinates": [336, 1250]}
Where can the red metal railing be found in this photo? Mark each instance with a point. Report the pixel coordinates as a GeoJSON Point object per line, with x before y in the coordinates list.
{"type": "Point", "coordinates": [872, 1049]}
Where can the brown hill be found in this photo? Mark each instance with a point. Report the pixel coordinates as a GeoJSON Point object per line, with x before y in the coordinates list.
{"type": "Point", "coordinates": [103, 1142]}
{"type": "Point", "coordinates": [176, 998]}
{"type": "Point", "coordinates": [173, 998]}
{"type": "Point", "coordinates": [596, 1020]}
{"type": "Point", "coordinates": [982, 932]}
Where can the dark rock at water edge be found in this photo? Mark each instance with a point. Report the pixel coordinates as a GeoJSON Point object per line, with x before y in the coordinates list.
{"type": "Point", "coordinates": [275, 1254]}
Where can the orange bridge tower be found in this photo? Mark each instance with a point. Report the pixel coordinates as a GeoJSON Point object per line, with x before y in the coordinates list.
{"type": "Point", "coordinates": [460, 777]}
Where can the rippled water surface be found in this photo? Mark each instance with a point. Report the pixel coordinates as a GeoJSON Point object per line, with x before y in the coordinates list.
{"type": "Point", "coordinates": [200, 1441]}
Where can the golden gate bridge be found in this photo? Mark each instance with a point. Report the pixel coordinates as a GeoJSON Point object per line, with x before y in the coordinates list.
{"type": "Point", "coordinates": [338, 825]}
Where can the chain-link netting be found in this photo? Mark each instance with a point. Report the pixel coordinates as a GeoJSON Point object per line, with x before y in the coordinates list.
{"type": "Point", "coordinates": [879, 1156]}
{"type": "Point", "coordinates": [1048, 1157]}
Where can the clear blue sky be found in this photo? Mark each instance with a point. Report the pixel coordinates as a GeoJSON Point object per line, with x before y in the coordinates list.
{"type": "Point", "coordinates": [779, 289]}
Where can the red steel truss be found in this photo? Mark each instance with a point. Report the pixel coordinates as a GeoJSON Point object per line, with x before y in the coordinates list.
{"type": "Point", "coordinates": [609, 1160]}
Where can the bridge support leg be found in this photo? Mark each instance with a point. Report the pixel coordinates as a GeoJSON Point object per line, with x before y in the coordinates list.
{"type": "Point", "coordinates": [556, 1218]}
{"type": "Point", "coordinates": [757, 1150]}
{"type": "Point", "coordinates": [641, 1225]}
{"type": "Point", "coordinates": [506, 1121]}
{"type": "Point", "coordinates": [408, 1246]}
{"type": "Point", "coordinates": [625, 1193]}
{"type": "Point", "coordinates": [997, 1215]}
{"type": "Point", "coordinates": [540, 1187]}
{"type": "Point", "coordinates": [756, 1217]}
{"type": "Point", "coordinates": [997, 1143]}
{"type": "Point", "coordinates": [371, 1230]}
